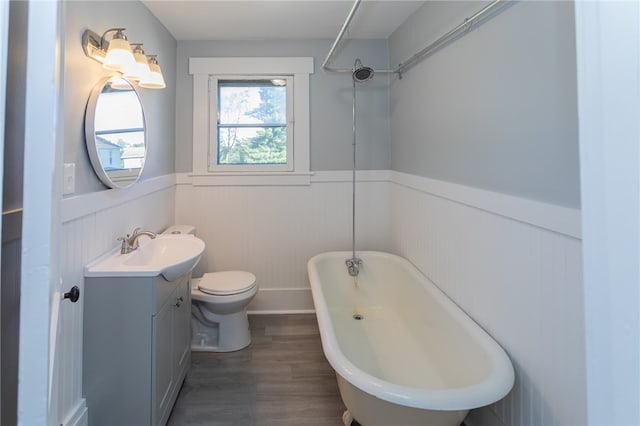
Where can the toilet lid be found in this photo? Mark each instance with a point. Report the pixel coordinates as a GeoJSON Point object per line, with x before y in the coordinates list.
{"type": "Point", "coordinates": [227, 282]}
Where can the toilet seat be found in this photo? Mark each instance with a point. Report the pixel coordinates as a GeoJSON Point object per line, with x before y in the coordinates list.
{"type": "Point", "coordinates": [226, 283]}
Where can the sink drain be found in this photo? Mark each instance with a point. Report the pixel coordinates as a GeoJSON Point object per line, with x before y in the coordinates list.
{"type": "Point", "coordinates": [358, 317]}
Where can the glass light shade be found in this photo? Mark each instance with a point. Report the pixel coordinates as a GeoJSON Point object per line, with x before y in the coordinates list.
{"type": "Point", "coordinates": [119, 55]}
{"type": "Point", "coordinates": [154, 80]}
{"type": "Point", "coordinates": [139, 69]}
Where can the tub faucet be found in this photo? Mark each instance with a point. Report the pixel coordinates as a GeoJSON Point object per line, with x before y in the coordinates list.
{"type": "Point", "coordinates": [130, 242]}
{"type": "Point", "coordinates": [353, 266]}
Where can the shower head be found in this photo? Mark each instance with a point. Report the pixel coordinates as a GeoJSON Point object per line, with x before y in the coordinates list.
{"type": "Point", "coordinates": [361, 73]}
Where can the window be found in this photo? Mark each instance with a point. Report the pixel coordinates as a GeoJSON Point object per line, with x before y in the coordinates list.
{"type": "Point", "coordinates": [250, 120]}
{"type": "Point", "coordinates": [254, 123]}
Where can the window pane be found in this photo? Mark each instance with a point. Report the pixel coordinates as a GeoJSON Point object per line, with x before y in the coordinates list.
{"type": "Point", "coordinates": [252, 145]}
{"type": "Point", "coordinates": [252, 122]}
{"type": "Point", "coordinates": [251, 102]}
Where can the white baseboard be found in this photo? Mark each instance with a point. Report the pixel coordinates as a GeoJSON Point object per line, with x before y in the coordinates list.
{"type": "Point", "coordinates": [79, 416]}
{"type": "Point", "coordinates": [282, 301]}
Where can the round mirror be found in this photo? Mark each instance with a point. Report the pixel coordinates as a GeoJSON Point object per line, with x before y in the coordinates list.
{"type": "Point", "coordinates": [115, 132]}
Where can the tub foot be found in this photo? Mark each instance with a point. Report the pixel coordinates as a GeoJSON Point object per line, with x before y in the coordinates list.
{"type": "Point", "coordinates": [347, 418]}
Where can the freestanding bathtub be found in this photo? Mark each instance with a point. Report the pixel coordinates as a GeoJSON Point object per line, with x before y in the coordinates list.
{"type": "Point", "coordinates": [403, 352]}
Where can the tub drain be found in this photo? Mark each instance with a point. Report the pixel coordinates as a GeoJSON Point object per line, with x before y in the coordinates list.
{"type": "Point", "coordinates": [358, 317]}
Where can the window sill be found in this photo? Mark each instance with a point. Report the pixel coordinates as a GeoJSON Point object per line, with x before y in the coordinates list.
{"type": "Point", "coordinates": [245, 179]}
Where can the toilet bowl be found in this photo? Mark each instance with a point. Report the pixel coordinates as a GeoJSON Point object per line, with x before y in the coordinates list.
{"type": "Point", "coordinates": [219, 307]}
{"type": "Point", "coordinates": [219, 310]}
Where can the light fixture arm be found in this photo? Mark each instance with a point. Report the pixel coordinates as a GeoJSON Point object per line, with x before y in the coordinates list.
{"type": "Point", "coordinates": [92, 42]}
{"type": "Point", "coordinates": [118, 34]}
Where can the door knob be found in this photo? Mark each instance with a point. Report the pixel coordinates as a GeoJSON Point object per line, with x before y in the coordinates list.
{"type": "Point", "coordinates": [73, 294]}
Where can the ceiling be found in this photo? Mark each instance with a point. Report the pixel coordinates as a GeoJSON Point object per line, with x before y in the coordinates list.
{"type": "Point", "coordinates": [279, 20]}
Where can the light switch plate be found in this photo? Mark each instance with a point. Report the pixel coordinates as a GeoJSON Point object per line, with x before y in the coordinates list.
{"type": "Point", "coordinates": [69, 176]}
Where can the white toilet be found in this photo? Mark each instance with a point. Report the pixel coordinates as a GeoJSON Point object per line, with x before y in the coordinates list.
{"type": "Point", "coordinates": [219, 307]}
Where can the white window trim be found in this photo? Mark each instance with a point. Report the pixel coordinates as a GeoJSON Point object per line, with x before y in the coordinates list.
{"type": "Point", "coordinates": [203, 68]}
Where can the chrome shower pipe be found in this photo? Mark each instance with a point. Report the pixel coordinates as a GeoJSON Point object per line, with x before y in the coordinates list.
{"type": "Point", "coordinates": [353, 264]}
{"type": "Point", "coordinates": [334, 46]}
{"type": "Point", "coordinates": [353, 177]}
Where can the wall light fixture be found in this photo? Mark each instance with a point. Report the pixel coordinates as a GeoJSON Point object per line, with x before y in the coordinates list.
{"type": "Point", "coordinates": [117, 54]}
{"type": "Point", "coordinates": [154, 79]}
{"type": "Point", "coordinates": [140, 67]}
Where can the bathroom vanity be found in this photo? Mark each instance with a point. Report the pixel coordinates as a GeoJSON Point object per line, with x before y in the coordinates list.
{"type": "Point", "coordinates": [136, 347]}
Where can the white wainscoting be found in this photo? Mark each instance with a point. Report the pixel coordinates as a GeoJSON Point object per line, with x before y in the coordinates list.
{"type": "Point", "coordinates": [91, 224]}
{"type": "Point", "coordinates": [273, 231]}
{"type": "Point", "coordinates": [514, 266]}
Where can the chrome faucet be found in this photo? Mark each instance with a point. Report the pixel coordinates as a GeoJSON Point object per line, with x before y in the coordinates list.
{"type": "Point", "coordinates": [130, 242]}
{"type": "Point", "coordinates": [353, 266]}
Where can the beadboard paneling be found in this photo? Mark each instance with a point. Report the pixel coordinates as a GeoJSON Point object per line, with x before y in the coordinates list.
{"type": "Point", "coordinates": [272, 231]}
{"type": "Point", "coordinates": [522, 283]}
{"type": "Point", "coordinates": [518, 279]}
{"type": "Point", "coordinates": [88, 233]}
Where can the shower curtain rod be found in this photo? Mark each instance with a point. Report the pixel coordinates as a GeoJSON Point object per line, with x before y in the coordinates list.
{"type": "Point", "coordinates": [465, 27]}
{"type": "Point", "coordinates": [334, 46]}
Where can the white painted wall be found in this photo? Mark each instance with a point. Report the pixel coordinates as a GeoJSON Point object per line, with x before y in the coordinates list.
{"type": "Point", "coordinates": [42, 193]}
{"type": "Point", "coordinates": [608, 41]}
{"type": "Point", "coordinates": [513, 264]}
{"type": "Point", "coordinates": [272, 231]}
{"type": "Point", "coordinates": [90, 225]}
{"type": "Point", "coordinates": [515, 267]}
{"type": "Point", "coordinates": [496, 110]}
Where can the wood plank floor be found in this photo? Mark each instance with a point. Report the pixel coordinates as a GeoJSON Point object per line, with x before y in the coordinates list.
{"type": "Point", "coordinates": [281, 379]}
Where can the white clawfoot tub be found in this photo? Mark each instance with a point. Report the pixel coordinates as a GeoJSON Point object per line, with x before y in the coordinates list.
{"type": "Point", "coordinates": [403, 352]}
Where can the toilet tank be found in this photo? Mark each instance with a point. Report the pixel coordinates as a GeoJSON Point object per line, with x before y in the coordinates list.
{"type": "Point", "coordinates": [180, 229]}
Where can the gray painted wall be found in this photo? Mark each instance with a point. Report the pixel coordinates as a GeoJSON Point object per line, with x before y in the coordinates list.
{"type": "Point", "coordinates": [331, 100]}
{"type": "Point", "coordinates": [496, 109]}
{"type": "Point", "coordinates": [15, 104]}
{"type": "Point", "coordinates": [12, 199]}
{"type": "Point", "coordinates": [82, 73]}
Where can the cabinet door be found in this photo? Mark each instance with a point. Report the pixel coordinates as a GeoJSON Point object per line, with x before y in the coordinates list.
{"type": "Point", "coordinates": [163, 361]}
{"type": "Point", "coordinates": [182, 327]}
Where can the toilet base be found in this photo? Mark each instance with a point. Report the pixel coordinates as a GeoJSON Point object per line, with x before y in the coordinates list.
{"type": "Point", "coordinates": [229, 333]}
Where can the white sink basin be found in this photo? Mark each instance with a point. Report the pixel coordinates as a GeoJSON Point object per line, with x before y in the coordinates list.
{"type": "Point", "coordinates": [169, 255]}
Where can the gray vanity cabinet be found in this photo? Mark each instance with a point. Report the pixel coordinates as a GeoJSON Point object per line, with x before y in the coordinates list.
{"type": "Point", "coordinates": [137, 349]}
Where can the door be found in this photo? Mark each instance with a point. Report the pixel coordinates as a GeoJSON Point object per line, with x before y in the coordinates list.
{"type": "Point", "coordinates": [41, 222]}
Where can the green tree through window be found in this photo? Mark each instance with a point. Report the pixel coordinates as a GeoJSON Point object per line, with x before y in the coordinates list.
{"type": "Point", "coordinates": [252, 125]}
